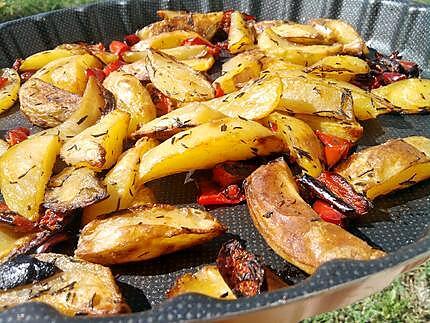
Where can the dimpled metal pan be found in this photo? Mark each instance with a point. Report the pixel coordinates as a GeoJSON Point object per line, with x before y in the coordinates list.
{"type": "Point", "coordinates": [399, 224]}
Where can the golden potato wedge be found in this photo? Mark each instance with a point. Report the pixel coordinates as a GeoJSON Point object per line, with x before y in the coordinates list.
{"type": "Point", "coordinates": [188, 116]}
{"type": "Point", "coordinates": [276, 46]}
{"type": "Point", "coordinates": [79, 288]}
{"type": "Point", "coordinates": [347, 129]}
{"type": "Point", "coordinates": [200, 64]}
{"type": "Point", "coordinates": [4, 146]}
{"type": "Point", "coordinates": [40, 59]}
{"type": "Point", "coordinates": [93, 104]}
{"type": "Point", "coordinates": [9, 91]}
{"type": "Point", "coordinates": [11, 241]}
{"type": "Point", "coordinates": [301, 33]}
{"type": "Point", "coordinates": [120, 182]}
{"type": "Point", "coordinates": [408, 96]}
{"type": "Point", "coordinates": [260, 26]}
{"type": "Point", "coordinates": [186, 52]}
{"type": "Point", "coordinates": [300, 139]}
{"type": "Point", "coordinates": [145, 232]}
{"type": "Point", "coordinates": [68, 73]}
{"type": "Point", "coordinates": [291, 227]}
{"type": "Point", "coordinates": [207, 145]}
{"type": "Point", "coordinates": [143, 196]}
{"type": "Point", "coordinates": [393, 165]}
{"type": "Point", "coordinates": [257, 99]}
{"type": "Point", "coordinates": [73, 188]}
{"type": "Point", "coordinates": [99, 146]}
{"type": "Point", "coordinates": [177, 80]}
{"type": "Point", "coordinates": [165, 40]}
{"type": "Point", "coordinates": [137, 68]}
{"type": "Point", "coordinates": [240, 36]}
{"type": "Point", "coordinates": [46, 105]}
{"type": "Point", "coordinates": [339, 67]}
{"type": "Point", "coordinates": [25, 170]}
{"type": "Point", "coordinates": [246, 57]}
{"type": "Point", "coordinates": [132, 97]}
{"type": "Point", "coordinates": [207, 281]}
{"type": "Point", "coordinates": [170, 14]}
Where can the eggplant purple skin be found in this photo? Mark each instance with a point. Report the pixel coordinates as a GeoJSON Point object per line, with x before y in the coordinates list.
{"type": "Point", "coordinates": [23, 270]}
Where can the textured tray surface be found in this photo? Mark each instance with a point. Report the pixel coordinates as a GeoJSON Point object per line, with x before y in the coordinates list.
{"type": "Point", "coordinates": [396, 224]}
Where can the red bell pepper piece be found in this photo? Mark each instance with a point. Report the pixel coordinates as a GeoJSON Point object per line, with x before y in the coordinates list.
{"type": "Point", "coordinates": [210, 194]}
{"type": "Point", "coordinates": [131, 39]}
{"type": "Point", "coordinates": [391, 77]}
{"type": "Point", "coordinates": [16, 135]}
{"type": "Point", "coordinates": [231, 172]}
{"type": "Point", "coordinates": [3, 81]}
{"type": "Point", "coordinates": [118, 47]}
{"type": "Point", "coordinates": [213, 50]}
{"type": "Point", "coordinates": [327, 213]}
{"type": "Point", "coordinates": [163, 104]}
{"type": "Point", "coordinates": [113, 67]}
{"type": "Point", "coordinates": [335, 148]}
{"type": "Point", "coordinates": [218, 90]}
{"type": "Point", "coordinates": [96, 72]}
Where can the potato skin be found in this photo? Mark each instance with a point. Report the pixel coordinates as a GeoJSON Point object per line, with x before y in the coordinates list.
{"type": "Point", "coordinates": [145, 232]}
{"type": "Point", "coordinates": [291, 227]}
{"type": "Point", "coordinates": [46, 105]}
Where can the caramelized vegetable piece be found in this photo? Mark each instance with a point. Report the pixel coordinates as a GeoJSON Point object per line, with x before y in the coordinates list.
{"type": "Point", "coordinates": [207, 145]}
{"type": "Point", "coordinates": [145, 232]}
{"type": "Point", "coordinates": [9, 86]}
{"type": "Point", "coordinates": [240, 36]}
{"type": "Point", "coordinates": [207, 281]}
{"type": "Point", "coordinates": [99, 146]}
{"type": "Point", "coordinates": [79, 288]}
{"type": "Point", "coordinates": [120, 182]}
{"type": "Point", "coordinates": [340, 67]}
{"type": "Point", "coordinates": [335, 148]}
{"type": "Point", "coordinates": [393, 165]}
{"type": "Point", "coordinates": [299, 139]}
{"type": "Point", "coordinates": [328, 213]}
{"type": "Point", "coordinates": [290, 226]}
{"type": "Point", "coordinates": [73, 188]}
{"type": "Point", "coordinates": [24, 172]}
{"type": "Point", "coordinates": [242, 270]}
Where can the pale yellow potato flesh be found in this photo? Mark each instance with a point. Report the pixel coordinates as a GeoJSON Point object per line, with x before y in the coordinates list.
{"type": "Point", "coordinates": [165, 40]}
{"type": "Point", "coordinates": [300, 33]}
{"type": "Point", "coordinates": [25, 170]}
{"type": "Point", "coordinates": [186, 52]}
{"type": "Point", "coordinates": [9, 92]}
{"type": "Point", "coordinates": [339, 67]}
{"type": "Point", "coordinates": [207, 145]}
{"type": "Point", "coordinates": [240, 36]}
{"type": "Point", "coordinates": [200, 64]}
{"type": "Point", "coordinates": [4, 146]}
{"type": "Point", "coordinates": [40, 59]}
{"type": "Point", "coordinates": [11, 241]}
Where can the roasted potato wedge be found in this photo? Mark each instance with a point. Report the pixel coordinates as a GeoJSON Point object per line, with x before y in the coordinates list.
{"type": "Point", "coordinates": [11, 241]}
{"type": "Point", "coordinates": [120, 182]}
{"type": "Point", "coordinates": [339, 67]}
{"type": "Point", "coordinates": [207, 145]}
{"type": "Point", "coordinates": [188, 116]}
{"type": "Point", "coordinates": [291, 227]}
{"type": "Point", "coordinates": [177, 80]}
{"type": "Point", "coordinates": [93, 104]}
{"type": "Point", "coordinates": [240, 36]}
{"type": "Point", "coordinates": [132, 97]}
{"type": "Point", "coordinates": [25, 170]}
{"type": "Point", "coordinates": [200, 64]}
{"type": "Point", "coordinates": [40, 59]}
{"type": "Point", "coordinates": [73, 188]}
{"type": "Point", "coordinates": [394, 165]}
{"type": "Point", "coordinates": [9, 91]}
{"type": "Point", "coordinates": [276, 46]}
{"type": "Point", "coordinates": [300, 139]}
{"type": "Point", "coordinates": [136, 68]}
{"type": "Point", "coordinates": [260, 26]}
{"type": "Point", "coordinates": [46, 105]}
{"type": "Point", "coordinates": [257, 99]}
{"type": "Point", "coordinates": [4, 146]}
{"type": "Point", "coordinates": [186, 52]}
{"type": "Point", "coordinates": [79, 288]}
{"type": "Point", "coordinates": [344, 33]}
{"type": "Point", "coordinates": [301, 34]}
{"type": "Point", "coordinates": [68, 73]}
{"type": "Point", "coordinates": [143, 196]}
{"type": "Point", "coordinates": [207, 281]}
{"type": "Point", "coordinates": [99, 146]}
{"type": "Point", "coordinates": [144, 233]}
{"type": "Point", "coordinates": [408, 96]}
{"type": "Point", "coordinates": [164, 40]}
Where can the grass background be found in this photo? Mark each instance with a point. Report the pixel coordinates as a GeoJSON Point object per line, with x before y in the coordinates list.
{"type": "Point", "coordinates": [407, 299]}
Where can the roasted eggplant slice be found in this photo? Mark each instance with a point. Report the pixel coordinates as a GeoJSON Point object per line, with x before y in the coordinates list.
{"type": "Point", "coordinates": [73, 188]}
{"type": "Point", "coordinates": [145, 232]}
{"type": "Point", "coordinates": [79, 288]}
{"type": "Point", "coordinates": [290, 226]}
{"type": "Point", "coordinates": [207, 281]}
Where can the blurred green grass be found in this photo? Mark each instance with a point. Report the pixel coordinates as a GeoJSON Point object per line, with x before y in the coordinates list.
{"type": "Point", "coordinates": [407, 299]}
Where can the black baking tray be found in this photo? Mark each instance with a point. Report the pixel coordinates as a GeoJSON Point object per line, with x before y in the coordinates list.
{"type": "Point", "coordinates": [399, 224]}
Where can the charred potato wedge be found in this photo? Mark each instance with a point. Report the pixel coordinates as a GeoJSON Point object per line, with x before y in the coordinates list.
{"type": "Point", "coordinates": [291, 227]}
{"type": "Point", "coordinates": [120, 182]}
{"type": "Point", "coordinates": [99, 146]}
{"type": "Point", "coordinates": [408, 96]}
{"type": "Point", "coordinates": [177, 80]}
{"type": "Point", "coordinates": [132, 97]}
{"type": "Point", "coordinates": [240, 36]}
{"type": "Point", "coordinates": [300, 139]}
{"type": "Point", "coordinates": [73, 188]}
{"type": "Point", "coordinates": [79, 288]}
{"type": "Point", "coordinates": [206, 281]}
{"type": "Point", "coordinates": [340, 67]}
{"type": "Point", "coordinates": [180, 119]}
{"type": "Point", "coordinates": [207, 145]}
{"type": "Point", "coordinates": [9, 91]}
{"type": "Point", "coordinates": [46, 105]}
{"type": "Point", "coordinates": [394, 165]}
{"type": "Point", "coordinates": [68, 73]}
{"type": "Point", "coordinates": [145, 232]}
{"type": "Point", "coordinates": [24, 172]}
